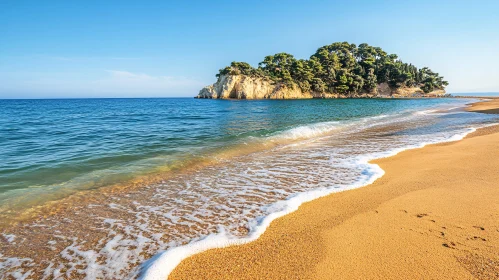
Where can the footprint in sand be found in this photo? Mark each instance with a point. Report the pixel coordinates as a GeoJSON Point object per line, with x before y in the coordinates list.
{"type": "Point", "coordinates": [451, 245]}
{"type": "Point", "coordinates": [478, 238]}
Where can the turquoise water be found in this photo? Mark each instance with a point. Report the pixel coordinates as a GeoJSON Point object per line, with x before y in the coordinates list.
{"type": "Point", "coordinates": [224, 169]}
{"type": "Point", "coordinates": [86, 143]}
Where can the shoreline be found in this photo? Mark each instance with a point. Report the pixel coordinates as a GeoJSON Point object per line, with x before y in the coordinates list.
{"type": "Point", "coordinates": [29, 212]}
{"type": "Point", "coordinates": [138, 221]}
{"type": "Point", "coordinates": [344, 243]}
{"type": "Point", "coordinates": [486, 107]}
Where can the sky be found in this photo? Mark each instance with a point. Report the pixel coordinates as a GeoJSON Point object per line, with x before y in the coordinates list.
{"type": "Point", "coordinates": [74, 49]}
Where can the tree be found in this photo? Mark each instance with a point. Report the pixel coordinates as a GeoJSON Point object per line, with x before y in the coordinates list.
{"type": "Point", "coordinates": [318, 85]}
{"type": "Point", "coordinates": [370, 81]}
{"type": "Point", "coordinates": [340, 68]}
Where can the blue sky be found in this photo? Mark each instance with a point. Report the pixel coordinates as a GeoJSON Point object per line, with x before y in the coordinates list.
{"type": "Point", "coordinates": [52, 49]}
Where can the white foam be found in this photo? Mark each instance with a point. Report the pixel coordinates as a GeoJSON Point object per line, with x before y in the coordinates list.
{"type": "Point", "coordinates": [9, 237]}
{"type": "Point", "coordinates": [15, 262]}
{"type": "Point", "coordinates": [321, 128]}
{"type": "Point", "coordinates": [162, 264]}
{"type": "Point", "coordinates": [306, 131]}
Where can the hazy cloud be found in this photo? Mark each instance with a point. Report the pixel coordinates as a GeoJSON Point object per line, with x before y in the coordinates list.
{"type": "Point", "coordinates": [113, 83]}
{"type": "Point", "coordinates": [124, 81]}
{"type": "Point", "coordinates": [83, 58]}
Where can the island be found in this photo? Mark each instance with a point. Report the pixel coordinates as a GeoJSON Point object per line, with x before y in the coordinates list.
{"type": "Point", "coordinates": [339, 70]}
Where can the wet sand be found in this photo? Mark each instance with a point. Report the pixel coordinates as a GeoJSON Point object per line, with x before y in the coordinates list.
{"type": "Point", "coordinates": [433, 215]}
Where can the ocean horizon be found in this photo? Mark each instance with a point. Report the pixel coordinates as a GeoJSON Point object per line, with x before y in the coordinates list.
{"type": "Point", "coordinates": [470, 94]}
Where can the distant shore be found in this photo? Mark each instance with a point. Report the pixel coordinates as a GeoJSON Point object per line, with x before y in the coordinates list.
{"type": "Point", "coordinates": [490, 107]}
{"type": "Point", "coordinates": [433, 215]}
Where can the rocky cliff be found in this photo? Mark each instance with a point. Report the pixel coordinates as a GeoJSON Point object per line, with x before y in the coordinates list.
{"type": "Point", "coordinates": [246, 87]}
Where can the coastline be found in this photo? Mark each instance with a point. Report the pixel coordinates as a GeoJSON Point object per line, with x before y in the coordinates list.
{"type": "Point", "coordinates": [435, 221]}
{"type": "Point", "coordinates": [228, 201]}
{"type": "Point", "coordinates": [486, 107]}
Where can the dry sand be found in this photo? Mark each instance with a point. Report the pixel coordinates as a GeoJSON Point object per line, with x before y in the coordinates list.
{"type": "Point", "coordinates": [487, 107]}
{"type": "Point", "coordinates": [433, 215]}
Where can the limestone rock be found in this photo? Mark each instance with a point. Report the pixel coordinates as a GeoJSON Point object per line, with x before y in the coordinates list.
{"type": "Point", "coordinates": [246, 87]}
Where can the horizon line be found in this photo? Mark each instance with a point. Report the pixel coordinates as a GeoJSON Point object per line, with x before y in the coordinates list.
{"type": "Point", "coordinates": [181, 97]}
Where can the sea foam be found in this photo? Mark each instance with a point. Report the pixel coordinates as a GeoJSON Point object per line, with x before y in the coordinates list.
{"type": "Point", "coordinates": [161, 265]}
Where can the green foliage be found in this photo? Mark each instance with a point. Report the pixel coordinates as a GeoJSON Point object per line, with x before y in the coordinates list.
{"type": "Point", "coordinates": [340, 68]}
{"type": "Point", "coordinates": [430, 80]}
{"type": "Point", "coordinates": [318, 85]}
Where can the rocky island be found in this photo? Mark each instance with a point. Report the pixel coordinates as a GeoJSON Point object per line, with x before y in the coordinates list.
{"type": "Point", "coordinates": [339, 70]}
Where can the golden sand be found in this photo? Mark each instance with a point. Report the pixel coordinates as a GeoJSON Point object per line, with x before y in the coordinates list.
{"type": "Point", "coordinates": [433, 215]}
{"type": "Point", "coordinates": [487, 107]}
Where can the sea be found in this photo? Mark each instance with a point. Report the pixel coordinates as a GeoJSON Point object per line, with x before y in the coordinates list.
{"type": "Point", "coordinates": [127, 188]}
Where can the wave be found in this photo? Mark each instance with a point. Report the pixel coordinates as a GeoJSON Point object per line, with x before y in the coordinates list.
{"type": "Point", "coordinates": [161, 265]}
{"type": "Point", "coordinates": [18, 204]}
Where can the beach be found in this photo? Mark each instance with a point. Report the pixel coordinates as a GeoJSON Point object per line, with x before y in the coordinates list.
{"type": "Point", "coordinates": [433, 215]}
{"type": "Point", "coordinates": [137, 212]}
{"type": "Point", "coordinates": [151, 142]}
{"type": "Point", "coordinates": [490, 107]}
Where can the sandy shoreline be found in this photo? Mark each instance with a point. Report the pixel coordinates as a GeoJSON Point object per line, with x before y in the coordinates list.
{"type": "Point", "coordinates": [432, 216]}
{"type": "Point", "coordinates": [487, 107]}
